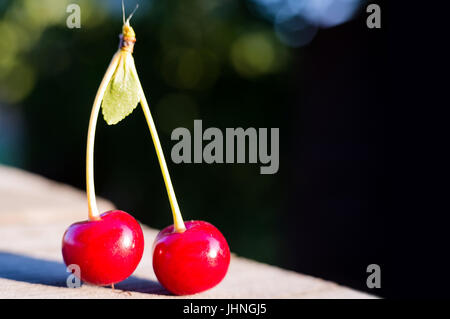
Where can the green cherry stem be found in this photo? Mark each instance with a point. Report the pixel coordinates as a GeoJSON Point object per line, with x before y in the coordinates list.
{"type": "Point", "coordinates": [176, 213]}
{"type": "Point", "coordinates": [90, 189]}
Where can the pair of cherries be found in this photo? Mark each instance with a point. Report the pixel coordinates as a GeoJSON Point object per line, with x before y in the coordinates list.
{"type": "Point", "coordinates": [109, 249]}
{"type": "Point", "coordinates": [187, 259]}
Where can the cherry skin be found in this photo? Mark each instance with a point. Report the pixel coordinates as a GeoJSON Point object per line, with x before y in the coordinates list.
{"type": "Point", "coordinates": [192, 261]}
{"type": "Point", "coordinates": [107, 250]}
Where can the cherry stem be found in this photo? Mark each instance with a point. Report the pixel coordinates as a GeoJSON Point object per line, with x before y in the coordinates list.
{"type": "Point", "coordinates": [90, 188]}
{"type": "Point", "coordinates": [176, 213]}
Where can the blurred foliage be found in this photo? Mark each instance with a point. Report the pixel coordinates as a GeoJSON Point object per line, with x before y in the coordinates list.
{"type": "Point", "coordinates": [199, 59]}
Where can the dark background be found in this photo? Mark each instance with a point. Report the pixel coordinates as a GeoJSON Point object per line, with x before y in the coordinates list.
{"type": "Point", "coordinates": [324, 212]}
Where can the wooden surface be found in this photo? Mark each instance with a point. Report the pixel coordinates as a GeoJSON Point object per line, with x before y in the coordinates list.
{"type": "Point", "coordinates": [34, 213]}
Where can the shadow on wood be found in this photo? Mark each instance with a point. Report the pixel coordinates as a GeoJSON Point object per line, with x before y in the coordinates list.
{"type": "Point", "coordinates": [46, 272]}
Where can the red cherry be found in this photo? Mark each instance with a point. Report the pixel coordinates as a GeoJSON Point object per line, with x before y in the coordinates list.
{"type": "Point", "coordinates": [192, 261]}
{"type": "Point", "coordinates": [107, 250]}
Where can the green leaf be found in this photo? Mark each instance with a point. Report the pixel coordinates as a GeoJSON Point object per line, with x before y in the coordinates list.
{"type": "Point", "coordinates": [122, 93]}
